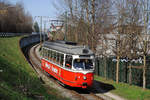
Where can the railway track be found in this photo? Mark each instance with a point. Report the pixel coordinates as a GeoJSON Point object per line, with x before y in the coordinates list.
{"type": "Point", "coordinates": [73, 93]}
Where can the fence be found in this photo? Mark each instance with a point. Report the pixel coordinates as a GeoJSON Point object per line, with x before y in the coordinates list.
{"type": "Point", "coordinates": [106, 67]}
{"type": "Point", "coordinates": [31, 39]}
{"type": "Point", "coordinates": [12, 34]}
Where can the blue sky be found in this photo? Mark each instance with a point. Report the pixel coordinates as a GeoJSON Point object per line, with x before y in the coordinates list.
{"type": "Point", "coordinates": [39, 7]}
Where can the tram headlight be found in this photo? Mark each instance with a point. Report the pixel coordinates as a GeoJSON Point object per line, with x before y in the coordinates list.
{"type": "Point", "coordinates": [84, 77]}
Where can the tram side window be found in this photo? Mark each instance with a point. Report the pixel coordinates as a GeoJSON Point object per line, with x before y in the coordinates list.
{"type": "Point", "coordinates": [52, 56]}
{"type": "Point", "coordinates": [57, 58]}
{"type": "Point", "coordinates": [49, 53]}
{"type": "Point", "coordinates": [61, 59]}
{"type": "Point", "coordinates": [44, 52]}
{"type": "Point", "coordinates": [68, 61]}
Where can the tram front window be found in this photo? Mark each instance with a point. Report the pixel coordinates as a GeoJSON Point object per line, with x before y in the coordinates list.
{"type": "Point", "coordinates": [83, 64]}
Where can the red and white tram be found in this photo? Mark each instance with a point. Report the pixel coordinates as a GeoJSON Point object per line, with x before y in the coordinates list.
{"type": "Point", "coordinates": [69, 63]}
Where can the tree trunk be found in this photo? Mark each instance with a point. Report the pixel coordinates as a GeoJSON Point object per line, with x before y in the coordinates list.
{"type": "Point", "coordinates": [93, 24]}
{"type": "Point", "coordinates": [144, 73]}
{"type": "Point", "coordinates": [70, 8]}
{"type": "Point", "coordinates": [117, 69]}
{"type": "Point", "coordinates": [88, 21]}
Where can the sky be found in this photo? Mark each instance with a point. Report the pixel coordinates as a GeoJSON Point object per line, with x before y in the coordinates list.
{"type": "Point", "coordinates": [39, 7]}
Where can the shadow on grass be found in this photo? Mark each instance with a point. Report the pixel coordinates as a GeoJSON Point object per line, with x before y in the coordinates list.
{"type": "Point", "coordinates": [100, 87]}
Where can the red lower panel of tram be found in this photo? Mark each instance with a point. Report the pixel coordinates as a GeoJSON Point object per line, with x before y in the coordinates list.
{"type": "Point", "coordinates": [68, 77]}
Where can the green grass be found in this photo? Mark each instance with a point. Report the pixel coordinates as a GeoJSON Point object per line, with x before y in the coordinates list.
{"type": "Point", "coordinates": [126, 91]}
{"type": "Point", "coordinates": [18, 81]}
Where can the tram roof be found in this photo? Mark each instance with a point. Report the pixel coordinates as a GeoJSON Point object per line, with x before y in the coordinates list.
{"type": "Point", "coordinates": [68, 47]}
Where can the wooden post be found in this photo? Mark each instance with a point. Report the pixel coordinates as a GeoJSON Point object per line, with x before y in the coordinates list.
{"type": "Point", "coordinates": [130, 74]}
{"type": "Point", "coordinates": [144, 73]}
{"type": "Point", "coordinates": [117, 69]}
{"type": "Point", "coordinates": [105, 68]}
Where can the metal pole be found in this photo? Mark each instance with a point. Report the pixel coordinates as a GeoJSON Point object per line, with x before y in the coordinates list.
{"type": "Point", "coordinates": [65, 38]}
{"type": "Point", "coordinates": [41, 30]}
{"type": "Point", "coordinates": [44, 30]}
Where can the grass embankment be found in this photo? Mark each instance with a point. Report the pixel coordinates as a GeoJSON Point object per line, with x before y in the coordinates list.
{"type": "Point", "coordinates": [18, 81]}
{"type": "Point", "coordinates": [127, 91]}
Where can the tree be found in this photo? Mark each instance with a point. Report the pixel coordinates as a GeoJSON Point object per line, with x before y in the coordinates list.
{"type": "Point", "coordinates": [15, 19]}
{"type": "Point", "coordinates": [128, 28]}
{"type": "Point", "coordinates": [144, 41]}
{"type": "Point", "coordinates": [36, 27]}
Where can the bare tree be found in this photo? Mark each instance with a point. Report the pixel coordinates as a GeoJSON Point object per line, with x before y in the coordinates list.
{"type": "Point", "coordinates": [128, 29]}
{"type": "Point", "coordinates": [145, 38]}
{"type": "Point", "coordinates": [15, 19]}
